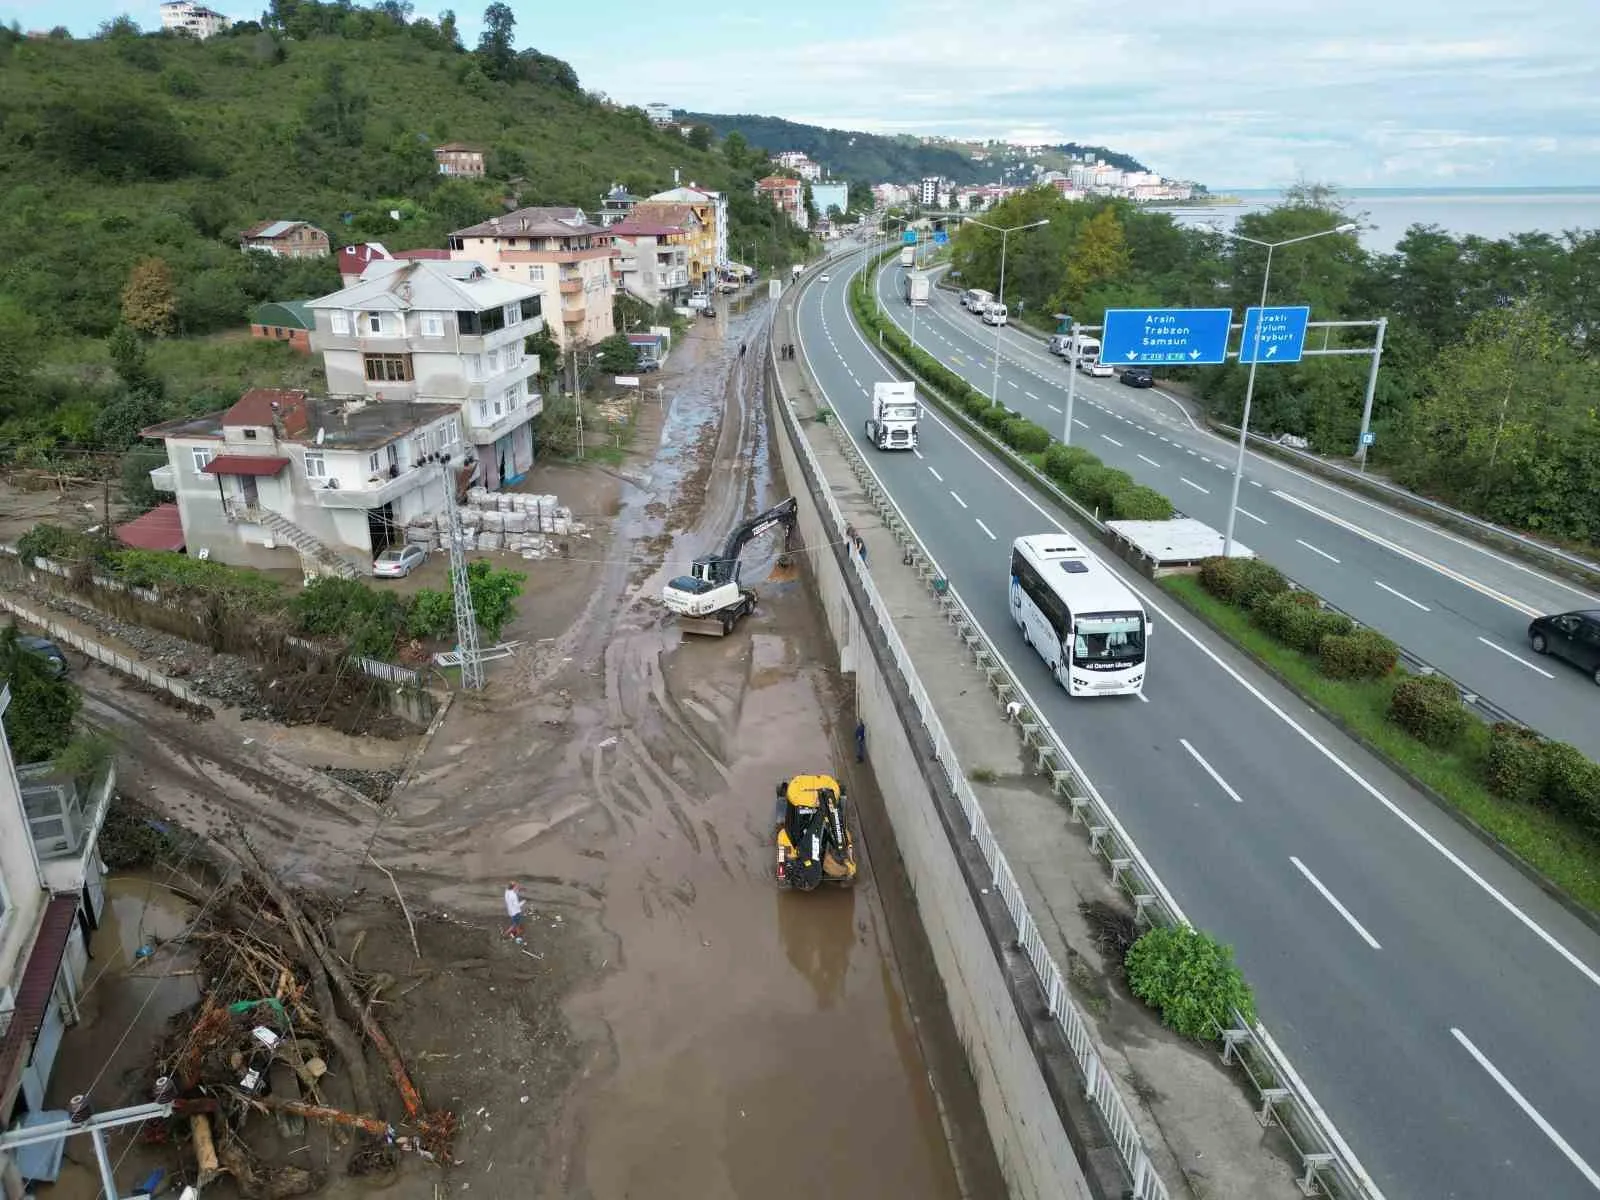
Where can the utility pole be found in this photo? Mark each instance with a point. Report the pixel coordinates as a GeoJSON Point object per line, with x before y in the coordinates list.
{"type": "Point", "coordinates": [461, 586]}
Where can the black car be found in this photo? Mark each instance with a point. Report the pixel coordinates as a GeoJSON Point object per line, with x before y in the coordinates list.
{"type": "Point", "coordinates": [1574, 636]}
{"type": "Point", "coordinates": [47, 650]}
{"type": "Point", "coordinates": [1137, 377]}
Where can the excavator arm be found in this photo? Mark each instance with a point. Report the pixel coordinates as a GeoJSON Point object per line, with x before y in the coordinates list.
{"type": "Point", "coordinates": [724, 567]}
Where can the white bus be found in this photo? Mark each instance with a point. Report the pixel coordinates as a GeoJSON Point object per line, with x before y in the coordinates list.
{"type": "Point", "coordinates": [1062, 595]}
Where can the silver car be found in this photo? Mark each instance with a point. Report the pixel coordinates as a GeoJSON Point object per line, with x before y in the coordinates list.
{"type": "Point", "coordinates": [398, 561]}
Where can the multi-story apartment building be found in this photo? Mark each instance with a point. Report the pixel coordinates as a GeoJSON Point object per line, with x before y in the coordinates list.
{"type": "Point", "coordinates": [710, 210]}
{"type": "Point", "coordinates": [800, 163]}
{"type": "Point", "coordinates": [196, 20]}
{"type": "Point", "coordinates": [699, 239]}
{"type": "Point", "coordinates": [446, 332]}
{"type": "Point", "coordinates": [787, 195]}
{"type": "Point", "coordinates": [615, 205]}
{"type": "Point", "coordinates": [281, 475]}
{"type": "Point", "coordinates": [660, 114]}
{"type": "Point", "coordinates": [653, 261]}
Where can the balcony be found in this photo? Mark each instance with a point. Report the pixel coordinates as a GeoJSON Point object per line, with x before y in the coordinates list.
{"type": "Point", "coordinates": [370, 493]}
{"type": "Point", "coordinates": [363, 343]}
{"type": "Point", "coordinates": [64, 817]}
{"type": "Point", "coordinates": [575, 314]}
{"type": "Point", "coordinates": [677, 278]}
{"type": "Point", "coordinates": [486, 435]}
{"type": "Point", "coordinates": [572, 287]}
{"type": "Point", "coordinates": [163, 479]}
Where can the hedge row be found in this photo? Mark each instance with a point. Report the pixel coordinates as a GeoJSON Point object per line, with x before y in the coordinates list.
{"type": "Point", "coordinates": [1520, 765]}
{"type": "Point", "coordinates": [1110, 493]}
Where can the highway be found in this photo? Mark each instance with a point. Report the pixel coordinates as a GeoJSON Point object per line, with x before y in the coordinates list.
{"type": "Point", "coordinates": [1441, 1008]}
{"type": "Point", "coordinates": [1458, 606]}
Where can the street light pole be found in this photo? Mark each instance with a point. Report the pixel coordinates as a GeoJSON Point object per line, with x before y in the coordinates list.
{"type": "Point", "coordinates": [1255, 357]}
{"type": "Point", "coordinates": [1372, 390]}
{"type": "Point", "coordinates": [994, 387]}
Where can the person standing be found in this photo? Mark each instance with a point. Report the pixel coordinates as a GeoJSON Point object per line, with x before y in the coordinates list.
{"type": "Point", "coordinates": [861, 741]}
{"type": "Point", "coordinates": [514, 906]}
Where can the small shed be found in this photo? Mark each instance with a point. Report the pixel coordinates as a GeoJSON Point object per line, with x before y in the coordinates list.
{"type": "Point", "coordinates": [284, 321]}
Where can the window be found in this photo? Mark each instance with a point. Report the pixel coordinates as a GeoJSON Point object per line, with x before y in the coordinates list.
{"type": "Point", "coordinates": [449, 433]}
{"type": "Point", "coordinates": [372, 463]}
{"type": "Point", "coordinates": [483, 412]}
{"type": "Point", "coordinates": [202, 457]}
{"type": "Point", "coordinates": [421, 446]}
{"type": "Point", "coordinates": [474, 365]}
{"type": "Point", "coordinates": [387, 368]}
{"type": "Point", "coordinates": [374, 323]}
{"type": "Point", "coordinates": [514, 313]}
{"type": "Point", "coordinates": [316, 465]}
{"type": "Point", "coordinates": [514, 395]}
{"type": "Point", "coordinates": [475, 324]}
{"type": "Point", "coordinates": [493, 360]}
{"type": "Point", "coordinates": [340, 322]}
{"type": "Point", "coordinates": [432, 325]}
{"type": "Point", "coordinates": [536, 274]}
{"type": "Point", "coordinates": [250, 434]}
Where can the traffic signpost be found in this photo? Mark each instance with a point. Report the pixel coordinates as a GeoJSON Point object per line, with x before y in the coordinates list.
{"type": "Point", "coordinates": [1368, 437]}
{"type": "Point", "coordinates": [909, 237]}
{"type": "Point", "coordinates": [1282, 333]}
{"type": "Point", "coordinates": [1166, 337]}
{"type": "Point", "coordinates": [941, 238]}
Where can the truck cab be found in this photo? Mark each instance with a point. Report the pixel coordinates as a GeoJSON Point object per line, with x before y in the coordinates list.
{"type": "Point", "coordinates": [892, 424]}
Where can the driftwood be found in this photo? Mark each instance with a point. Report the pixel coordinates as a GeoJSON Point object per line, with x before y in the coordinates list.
{"type": "Point", "coordinates": [257, 1182]}
{"type": "Point", "coordinates": [205, 1150]}
{"type": "Point", "coordinates": [410, 924]}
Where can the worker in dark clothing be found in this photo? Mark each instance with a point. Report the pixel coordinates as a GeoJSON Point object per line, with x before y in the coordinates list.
{"type": "Point", "coordinates": [861, 741]}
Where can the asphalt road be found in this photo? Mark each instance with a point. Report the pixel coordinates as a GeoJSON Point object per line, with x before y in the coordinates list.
{"type": "Point", "coordinates": [1441, 1008]}
{"type": "Point", "coordinates": [1460, 607]}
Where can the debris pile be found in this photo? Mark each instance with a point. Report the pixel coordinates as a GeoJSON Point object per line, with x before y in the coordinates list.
{"type": "Point", "coordinates": [531, 526]}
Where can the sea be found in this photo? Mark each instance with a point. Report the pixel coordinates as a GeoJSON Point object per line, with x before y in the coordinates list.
{"type": "Point", "coordinates": [1386, 213]}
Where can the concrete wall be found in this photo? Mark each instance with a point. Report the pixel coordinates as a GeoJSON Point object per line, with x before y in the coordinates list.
{"type": "Point", "coordinates": [986, 982]}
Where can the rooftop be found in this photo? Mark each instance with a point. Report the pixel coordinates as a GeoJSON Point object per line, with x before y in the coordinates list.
{"type": "Point", "coordinates": [272, 229]}
{"type": "Point", "coordinates": [533, 222]}
{"type": "Point", "coordinates": [287, 314]}
{"type": "Point", "coordinates": [352, 425]}
{"type": "Point", "coordinates": [634, 227]}
{"type": "Point", "coordinates": [405, 285]}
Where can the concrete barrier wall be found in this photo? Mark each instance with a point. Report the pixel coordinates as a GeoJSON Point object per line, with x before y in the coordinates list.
{"type": "Point", "coordinates": [987, 983]}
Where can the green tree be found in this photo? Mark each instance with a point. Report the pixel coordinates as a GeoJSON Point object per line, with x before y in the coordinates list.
{"type": "Point", "coordinates": [496, 47]}
{"type": "Point", "coordinates": [736, 150]}
{"type": "Point", "coordinates": [129, 360]}
{"type": "Point", "coordinates": [39, 721]}
{"type": "Point", "coordinates": [148, 303]}
{"type": "Point", "coordinates": [139, 494]}
{"type": "Point", "coordinates": [616, 354]}
{"type": "Point", "coordinates": [700, 137]}
{"type": "Point", "coordinates": [1099, 256]}
{"type": "Point", "coordinates": [494, 595]}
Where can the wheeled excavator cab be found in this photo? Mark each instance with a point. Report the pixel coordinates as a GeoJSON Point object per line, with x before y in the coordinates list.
{"type": "Point", "coordinates": [814, 842]}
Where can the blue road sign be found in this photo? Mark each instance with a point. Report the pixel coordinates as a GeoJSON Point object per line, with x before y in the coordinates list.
{"type": "Point", "coordinates": [1368, 438]}
{"type": "Point", "coordinates": [1283, 334]}
{"type": "Point", "coordinates": [1170, 337]}
{"type": "Point", "coordinates": [941, 237]}
{"type": "Point", "coordinates": [910, 237]}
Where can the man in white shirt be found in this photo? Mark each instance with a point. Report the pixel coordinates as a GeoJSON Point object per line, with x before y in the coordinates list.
{"type": "Point", "coordinates": [514, 903]}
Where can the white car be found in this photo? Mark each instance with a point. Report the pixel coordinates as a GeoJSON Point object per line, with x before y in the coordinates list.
{"type": "Point", "coordinates": [823, 277]}
{"type": "Point", "coordinates": [1098, 370]}
{"type": "Point", "coordinates": [398, 561]}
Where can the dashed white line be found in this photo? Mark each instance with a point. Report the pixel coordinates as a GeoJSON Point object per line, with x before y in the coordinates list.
{"type": "Point", "coordinates": [1528, 1110]}
{"type": "Point", "coordinates": [1151, 461]}
{"type": "Point", "coordinates": [1210, 770]}
{"type": "Point", "coordinates": [1246, 512]}
{"type": "Point", "coordinates": [1083, 424]}
{"type": "Point", "coordinates": [1401, 595]}
{"type": "Point", "coordinates": [1254, 482]}
{"type": "Point", "coordinates": [1516, 658]}
{"type": "Point", "coordinates": [1107, 437]}
{"type": "Point", "coordinates": [1030, 395]}
{"type": "Point", "coordinates": [936, 475]}
{"type": "Point", "coordinates": [1052, 408]}
{"type": "Point", "coordinates": [1194, 485]}
{"type": "Point", "coordinates": [917, 452]}
{"type": "Point", "coordinates": [1196, 453]}
{"type": "Point", "coordinates": [986, 529]}
{"type": "Point", "coordinates": [1314, 550]}
{"type": "Point", "coordinates": [1167, 440]}
{"type": "Point", "coordinates": [1013, 383]}
{"type": "Point", "coordinates": [959, 500]}
{"type": "Point", "coordinates": [1334, 900]}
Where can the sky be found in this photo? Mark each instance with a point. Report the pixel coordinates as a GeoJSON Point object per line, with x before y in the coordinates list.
{"type": "Point", "coordinates": [1234, 93]}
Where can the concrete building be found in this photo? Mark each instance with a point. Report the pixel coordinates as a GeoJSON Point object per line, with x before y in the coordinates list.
{"type": "Point", "coordinates": [52, 894]}
{"type": "Point", "coordinates": [446, 332]}
{"type": "Point", "coordinates": [928, 191]}
{"type": "Point", "coordinates": [654, 260]}
{"type": "Point", "coordinates": [459, 160]}
{"type": "Point", "coordinates": [660, 114]}
{"type": "Point", "coordinates": [700, 239]}
{"type": "Point", "coordinates": [787, 195]}
{"type": "Point", "coordinates": [615, 206]}
{"type": "Point", "coordinates": [280, 476]}
{"type": "Point", "coordinates": [287, 239]}
{"type": "Point", "coordinates": [800, 163]}
{"type": "Point", "coordinates": [355, 259]}
{"type": "Point", "coordinates": [196, 20]}
{"type": "Point", "coordinates": [830, 195]}
{"type": "Point", "coordinates": [711, 210]}
{"type": "Point", "coordinates": [559, 254]}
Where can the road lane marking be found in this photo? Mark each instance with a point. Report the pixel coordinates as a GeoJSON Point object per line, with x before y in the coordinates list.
{"type": "Point", "coordinates": [959, 500]}
{"type": "Point", "coordinates": [917, 452]}
{"type": "Point", "coordinates": [1314, 550]}
{"type": "Point", "coordinates": [1030, 395]}
{"type": "Point", "coordinates": [1507, 905]}
{"type": "Point", "coordinates": [1052, 408]}
{"type": "Point", "coordinates": [1107, 437]}
{"type": "Point", "coordinates": [936, 474]}
{"type": "Point", "coordinates": [1516, 658]}
{"type": "Point", "coordinates": [1151, 461]}
{"type": "Point", "coordinates": [1194, 485]}
{"type": "Point", "coordinates": [1334, 900]}
{"type": "Point", "coordinates": [1210, 770]}
{"type": "Point", "coordinates": [986, 529]}
{"type": "Point", "coordinates": [1420, 559]}
{"type": "Point", "coordinates": [1196, 453]}
{"type": "Point", "coordinates": [1401, 595]}
{"type": "Point", "coordinates": [1246, 512]}
{"type": "Point", "coordinates": [1013, 383]}
{"type": "Point", "coordinates": [1528, 1110]}
{"type": "Point", "coordinates": [1255, 483]}
{"type": "Point", "coordinates": [1081, 424]}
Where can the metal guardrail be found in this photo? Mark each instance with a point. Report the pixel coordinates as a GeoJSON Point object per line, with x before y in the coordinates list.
{"type": "Point", "coordinates": [1327, 1165]}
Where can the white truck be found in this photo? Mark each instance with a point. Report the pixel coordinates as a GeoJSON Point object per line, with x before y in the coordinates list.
{"type": "Point", "coordinates": [908, 256]}
{"type": "Point", "coordinates": [895, 413]}
{"type": "Point", "coordinates": [916, 290]}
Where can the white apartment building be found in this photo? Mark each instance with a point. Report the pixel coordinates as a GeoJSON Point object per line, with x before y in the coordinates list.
{"type": "Point", "coordinates": [441, 332]}
{"type": "Point", "coordinates": [196, 20]}
{"type": "Point", "coordinates": [281, 475]}
{"type": "Point", "coordinates": [660, 114]}
{"type": "Point", "coordinates": [800, 163]}
{"type": "Point", "coordinates": [560, 258]}
{"type": "Point", "coordinates": [928, 191]}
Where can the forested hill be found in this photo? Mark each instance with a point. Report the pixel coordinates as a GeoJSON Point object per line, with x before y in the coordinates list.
{"type": "Point", "coordinates": [875, 158]}
{"type": "Point", "coordinates": [126, 146]}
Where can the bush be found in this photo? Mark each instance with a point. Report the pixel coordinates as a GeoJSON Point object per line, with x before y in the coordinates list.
{"type": "Point", "coordinates": [1140, 503]}
{"type": "Point", "coordinates": [1023, 436]}
{"type": "Point", "coordinates": [1429, 709]}
{"type": "Point", "coordinates": [1190, 979]}
{"type": "Point", "coordinates": [1096, 485]}
{"type": "Point", "coordinates": [1245, 582]}
{"type": "Point", "coordinates": [1221, 577]}
{"type": "Point", "coordinates": [993, 417]}
{"type": "Point", "coordinates": [1364, 654]}
{"type": "Point", "coordinates": [1517, 766]}
{"type": "Point", "coordinates": [1288, 619]}
{"type": "Point", "coordinates": [1330, 624]}
{"type": "Point", "coordinates": [1061, 461]}
{"type": "Point", "coordinates": [368, 620]}
{"type": "Point", "coordinates": [431, 614]}
{"type": "Point", "coordinates": [1572, 783]}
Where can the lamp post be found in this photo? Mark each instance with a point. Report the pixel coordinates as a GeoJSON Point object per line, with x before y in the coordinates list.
{"type": "Point", "coordinates": [1255, 356]}
{"type": "Point", "coordinates": [883, 229]}
{"type": "Point", "coordinates": [994, 389]}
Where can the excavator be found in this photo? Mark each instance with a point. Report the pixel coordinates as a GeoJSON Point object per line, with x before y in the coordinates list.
{"type": "Point", "coordinates": [814, 842]}
{"type": "Point", "coordinates": [710, 599]}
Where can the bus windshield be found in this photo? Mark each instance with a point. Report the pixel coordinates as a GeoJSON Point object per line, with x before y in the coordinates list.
{"type": "Point", "coordinates": [1108, 637]}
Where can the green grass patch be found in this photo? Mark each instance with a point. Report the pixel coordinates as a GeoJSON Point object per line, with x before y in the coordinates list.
{"type": "Point", "coordinates": [1565, 854]}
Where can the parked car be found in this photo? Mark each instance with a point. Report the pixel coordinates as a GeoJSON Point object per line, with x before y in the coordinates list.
{"type": "Point", "coordinates": [398, 561]}
{"type": "Point", "coordinates": [45, 649]}
{"type": "Point", "coordinates": [648, 363]}
{"type": "Point", "coordinates": [1099, 370]}
{"type": "Point", "coordinates": [1137, 377]}
{"type": "Point", "coordinates": [1574, 636]}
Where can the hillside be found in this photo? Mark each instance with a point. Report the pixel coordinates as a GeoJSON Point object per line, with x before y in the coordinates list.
{"type": "Point", "coordinates": [876, 158]}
